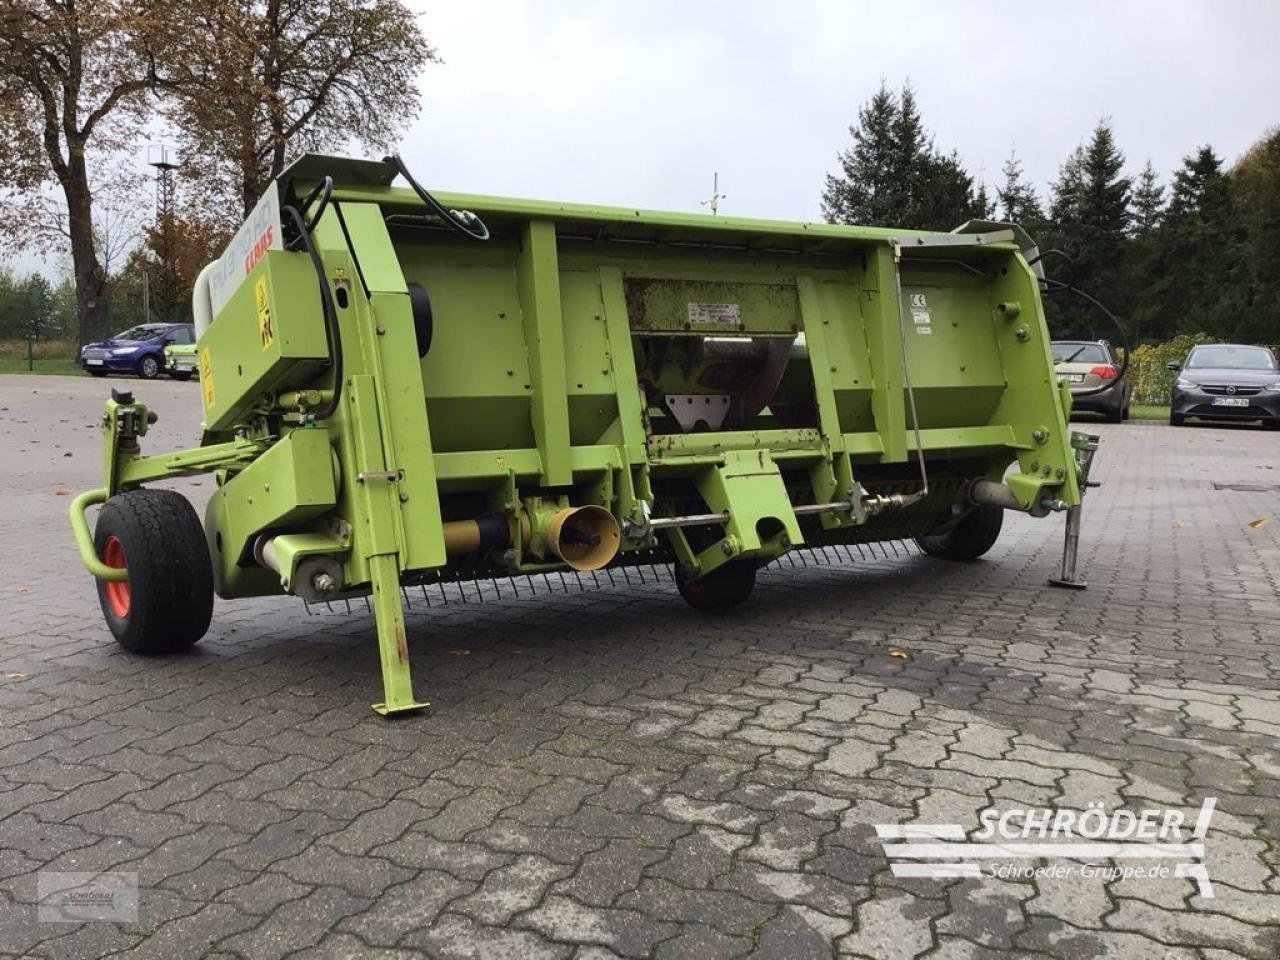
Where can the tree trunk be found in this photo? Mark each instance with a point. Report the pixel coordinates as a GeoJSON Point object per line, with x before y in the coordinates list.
{"type": "Point", "coordinates": [90, 278]}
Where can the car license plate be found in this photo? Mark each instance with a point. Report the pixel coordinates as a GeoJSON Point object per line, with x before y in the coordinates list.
{"type": "Point", "coordinates": [1230, 402]}
{"type": "Point", "coordinates": [93, 362]}
{"type": "Point", "coordinates": [1074, 377]}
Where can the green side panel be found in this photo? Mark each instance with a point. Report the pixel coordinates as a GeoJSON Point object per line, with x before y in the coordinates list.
{"type": "Point", "coordinates": [837, 305]}
{"type": "Point", "coordinates": [588, 358]}
{"type": "Point", "coordinates": [477, 316]}
{"type": "Point", "coordinates": [401, 403]}
{"type": "Point", "coordinates": [269, 336]}
{"type": "Point", "coordinates": [951, 340]}
{"type": "Point", "coordinates": [290, 484]}
{"type": "Point", "coordinates": [538, 282]}
{"type": "Point", "coordinates": [884, 349]}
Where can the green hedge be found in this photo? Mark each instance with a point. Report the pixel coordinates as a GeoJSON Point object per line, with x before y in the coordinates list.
{"type": "Point", "coordinates": [1149, 379]}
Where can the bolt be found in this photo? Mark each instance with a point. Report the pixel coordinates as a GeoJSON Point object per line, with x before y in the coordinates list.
{"type": "Point", "coordinates": [324, 583]}
{"type": "Point", "coordinates": [1060, 473]}
{"type": "Point", "coordinates": [380, 329]}
{"type": "Point", "coordinates": [1023, 334]}
{"type": "Point", "coordinates": [726, 548]}
{"type": "Point", "coordinates": [404, 498]}
{"type": "Point", "coordinates": [1039, 434]}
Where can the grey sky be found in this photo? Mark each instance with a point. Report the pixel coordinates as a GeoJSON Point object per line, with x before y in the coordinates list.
{"type": "Point", "coordinates": [637, 103]}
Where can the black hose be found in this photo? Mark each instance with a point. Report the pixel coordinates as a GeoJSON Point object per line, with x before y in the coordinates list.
{"type": "Point", "coordinates": [333, 336]}
{"type": "Point", "coordinates": [324, 188]}
{"type": "Point", "coordinates": [464, 221]}
{"type": "Point", "coordinates": [1054, 286]}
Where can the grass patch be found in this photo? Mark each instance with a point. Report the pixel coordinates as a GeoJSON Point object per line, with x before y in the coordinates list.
{"type": "Point", "coordinates": [1148, 411]}
{"type": "Point", "coordinates": [51, 356]}
{"type": "Point", "coordinates": [59, 366]}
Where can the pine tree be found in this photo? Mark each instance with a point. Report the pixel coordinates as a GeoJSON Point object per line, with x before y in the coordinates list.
{"type": "Point", "coordinates": [984, 207]}
{"type": "Point", "coordinates": [1146, 317]}
{"type": "Point", "coordinates": [893, 176]}
{"type": "Point", "coordinates": [867, 191]}
{"type": "Point", "coordinates": [1104, 204]}
{"type": "Point", "coordinates": [1018, 201]}
{"type": "Point", "coordinates": [1148, 202]}
{"type": "Point", "coordinates": [1202, 280]}
{"type": "Point", "coordinates": [1090, 217]}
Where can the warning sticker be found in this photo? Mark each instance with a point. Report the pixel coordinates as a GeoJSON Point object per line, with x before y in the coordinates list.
{"type": "Point", "coordinates": [206, 377]}
{"type": "Point", "coordinates": [920, 313]}
{"type": "Point", "coordinates": [715, 314]}
{"type": "Point", "coordinates": [263, 304]}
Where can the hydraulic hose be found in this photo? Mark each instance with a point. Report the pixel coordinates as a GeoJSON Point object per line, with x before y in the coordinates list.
{"type": "Point", "coordinates": [323, 189]}
{"type": "Point", "coordinates": [333, 336]}
{"type": "Point", "coordinates": [464, 221]}
{"type": "Point", "coordinates": [1054, 286]}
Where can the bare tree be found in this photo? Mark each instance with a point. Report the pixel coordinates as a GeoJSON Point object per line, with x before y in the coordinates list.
{"type": "Point", "coordinates": [279, 77]}
{"type": "Point", "coordinates": [74, 80]}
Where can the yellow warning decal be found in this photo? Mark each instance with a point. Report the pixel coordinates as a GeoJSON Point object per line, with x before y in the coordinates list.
{"type": "Point", "coordinates": [206, 377]}
{"type": "Point", "coordinates": [265, 331]}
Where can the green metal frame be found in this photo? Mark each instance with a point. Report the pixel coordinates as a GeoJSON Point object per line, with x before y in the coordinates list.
{"type": "Point", "coordinates": [530, 392]}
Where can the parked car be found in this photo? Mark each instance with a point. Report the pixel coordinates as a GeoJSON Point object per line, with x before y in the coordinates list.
{"type": "Point", "coordinates": [1091, 369]}
{"type": "Point", "coordinates": [180, 360]}
{"type": "Point", "coordinates": [138, 350]}
{"type": "Point", "coordinates": [1226, 381]}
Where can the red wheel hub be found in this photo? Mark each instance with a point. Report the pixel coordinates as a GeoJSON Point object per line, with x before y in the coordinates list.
{"type": "Point", "coordinates": [117, 590]}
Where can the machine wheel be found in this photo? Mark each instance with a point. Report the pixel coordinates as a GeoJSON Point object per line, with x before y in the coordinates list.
{"type": "Point", "coordinates": [148, 368]}
{"type": "Point", "coordinates": [1176, 421]}
{"type": "Point", "coordinates": [167, 602]}
{"type": "Point", "coordinates": [970, 538]}
{"type": "Point", "coordinates": [722, 588]}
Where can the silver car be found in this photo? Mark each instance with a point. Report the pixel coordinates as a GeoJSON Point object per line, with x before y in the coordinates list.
{"type": "Point", "coordinates": [1091, 369]}
{"type": "Point", "coordinates": [1226, 381]}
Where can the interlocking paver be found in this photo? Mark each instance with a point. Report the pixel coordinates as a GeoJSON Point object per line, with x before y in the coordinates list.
{"type": "Point", "coordinates": [606, 774]}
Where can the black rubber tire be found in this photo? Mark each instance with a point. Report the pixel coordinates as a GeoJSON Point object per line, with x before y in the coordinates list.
{"type": "Point", "coordinates": [149, 367]}
{"type": "Point", "coordinates": [170, 585]}
{"type": "Point", "coordinates": [721, 589]}
{"type": "Point", "coordinates": [1176, 421]}
{"type": "Point", "coordinates": [180, 374]}
{"type": "Point", "coordinates": [423, 318]}
{"type": "Point", "coordinates": [969, 539]}
{"type": "Point", "coordinates": [1116, 415]}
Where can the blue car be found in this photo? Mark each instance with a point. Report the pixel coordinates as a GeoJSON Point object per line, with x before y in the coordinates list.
{"type": "Point", "coordinates": [138, 350]}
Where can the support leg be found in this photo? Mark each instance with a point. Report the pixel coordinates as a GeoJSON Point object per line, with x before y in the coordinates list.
{"type": "Point", "coordinates": [393, 647]}
{"type": "Point", "coordinates": [1085, 445]}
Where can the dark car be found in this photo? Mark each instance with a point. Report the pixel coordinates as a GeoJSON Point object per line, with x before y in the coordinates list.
{"type": "Point", "coordinates": [138, 350]}
{"type": "Point", "coordinates": [1091, 370]}
{"type": "Point", "coordinates": [1226, 381]}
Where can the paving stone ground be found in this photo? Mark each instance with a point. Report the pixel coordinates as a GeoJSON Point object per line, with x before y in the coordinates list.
{"type": "Point", "coordinates": [607, 774]}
